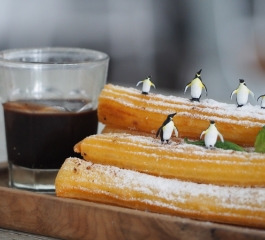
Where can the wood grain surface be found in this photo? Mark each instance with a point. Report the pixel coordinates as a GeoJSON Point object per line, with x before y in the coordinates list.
{"type": "Point", "coordinates": [51, 216]}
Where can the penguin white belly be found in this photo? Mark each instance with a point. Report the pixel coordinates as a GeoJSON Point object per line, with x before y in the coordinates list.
{"type": "Point", "coordinates": [196, 90]}
{"type": "Point", "coordinates": [242, 97]}
{"type": "Point", "coordinates": [210, 139]}
{"type": "Point", "coordinates": [167, 130]}
{"type": "Point", "coordinates": [146, 87]}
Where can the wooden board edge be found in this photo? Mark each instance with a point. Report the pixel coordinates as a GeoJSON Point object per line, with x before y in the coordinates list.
{"type": "Point", "coordinates": [75, 219]}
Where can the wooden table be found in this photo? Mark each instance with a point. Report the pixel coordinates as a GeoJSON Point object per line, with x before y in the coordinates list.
{"type": "Point", "coordinates": [28, 215]}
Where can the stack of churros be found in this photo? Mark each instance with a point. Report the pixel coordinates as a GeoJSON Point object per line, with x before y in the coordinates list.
{"type": "Point", "coordinates": [128, 166]}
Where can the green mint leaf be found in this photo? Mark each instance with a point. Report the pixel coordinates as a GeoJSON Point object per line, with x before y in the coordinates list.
{"type": "Point", "coordinates": [260, 141]}
{"type": "Point", "coordinates": [226, 145]}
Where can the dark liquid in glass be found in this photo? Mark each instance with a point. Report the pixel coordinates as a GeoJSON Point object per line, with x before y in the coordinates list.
{"type": "Point", "coordinates": [42, 137]}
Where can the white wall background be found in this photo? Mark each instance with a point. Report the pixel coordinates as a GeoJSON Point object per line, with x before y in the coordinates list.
{"type": "Point", "coordinates": [170, 40]}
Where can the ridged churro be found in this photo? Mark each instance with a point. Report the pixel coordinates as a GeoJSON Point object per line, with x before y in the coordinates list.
{"type": "Point", "coordinates": [175, 160]}
{"type": "Point", "coordinates": [128, 108]}
{"type": "Point", "coordinates": [117, 129]}
{"type": "Point", "coordinates": [107, 184]}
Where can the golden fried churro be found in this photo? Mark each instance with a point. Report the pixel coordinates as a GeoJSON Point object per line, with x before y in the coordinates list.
{"type": "Point", "coordinates": [175, 160]}
{"type": "Point", "coordinates": [107, 184]}
{"type": "Point", "coordinates": [128, 108]}
{"type": "Point", "coordinates": [117, 129]}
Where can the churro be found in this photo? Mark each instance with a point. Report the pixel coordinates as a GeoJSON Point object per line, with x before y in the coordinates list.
{"type": "Point", "coordinates": [175, 160]}
{"type": "Point", "coordinates": [107, 184]}
{"type": "Point", "coordinates": [128, 108]}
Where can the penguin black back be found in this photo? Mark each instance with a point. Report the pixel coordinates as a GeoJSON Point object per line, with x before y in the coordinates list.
{"type": "Point", "coordinates": [168, 119]}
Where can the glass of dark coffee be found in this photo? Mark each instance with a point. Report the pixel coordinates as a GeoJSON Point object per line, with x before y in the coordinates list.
{"type": "Point", "coordinates": [49, 98]}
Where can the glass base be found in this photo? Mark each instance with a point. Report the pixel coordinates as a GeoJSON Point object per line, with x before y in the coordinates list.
{"type": "Point", "coordinates": [39, 180]}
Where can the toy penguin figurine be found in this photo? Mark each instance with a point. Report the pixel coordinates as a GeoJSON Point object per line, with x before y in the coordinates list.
{"type": "Point", "coordinates": [167, 128]}
{"type": "Point", "coordinates": [211, 135]}
{"type": "Point", "coordinates": [146, 85]}
{"type": "Point", "coordinates": [196, 86]}
{"type": "Point", "coordinates": [242, 93]}
{"type": "Point", "coordinates": [262, 101]}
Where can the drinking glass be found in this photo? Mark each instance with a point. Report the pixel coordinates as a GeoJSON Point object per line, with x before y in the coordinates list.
{"type": "Point", "coordinates": [49, 98]}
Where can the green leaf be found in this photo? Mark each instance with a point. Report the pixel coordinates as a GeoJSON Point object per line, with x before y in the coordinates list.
{"type": "Point", "coordinates": [260, 141]}
{"type": "Point", "coordinates": [229, 146]}
{"type": "Point", "coordinates": [198, 143]}
{"type": "Point", "coordinates": [219, 144]}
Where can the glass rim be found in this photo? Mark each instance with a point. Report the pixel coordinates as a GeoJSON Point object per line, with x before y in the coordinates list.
{"type": "Point", "coordinates": [95, 56]}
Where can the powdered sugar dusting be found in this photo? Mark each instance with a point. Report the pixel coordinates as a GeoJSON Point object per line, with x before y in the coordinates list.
{"type": "Point", "coordinates": [168, 192]}
{"type": "Point", "coordinates": [176, 147]}
{"type": "Point", "coordinates": [220, 112]}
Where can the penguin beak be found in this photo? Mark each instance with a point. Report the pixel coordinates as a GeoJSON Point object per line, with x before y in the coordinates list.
{"type": "Point", "coordinates": [172, 115]}
{"type": "Point", "coordinates": [199, 73]}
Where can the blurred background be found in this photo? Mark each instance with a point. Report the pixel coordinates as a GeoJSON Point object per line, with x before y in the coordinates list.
{"type": "Point", "coordinates": [169, 40]}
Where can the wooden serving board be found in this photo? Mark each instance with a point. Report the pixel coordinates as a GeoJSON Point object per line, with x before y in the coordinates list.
{"type": "Point", "coordinates": [56, 217]}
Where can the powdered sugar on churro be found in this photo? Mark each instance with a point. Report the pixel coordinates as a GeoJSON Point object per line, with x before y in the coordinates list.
{"type": "Point", "coordinates": [202, 153]}
{"type": "Point", "coordinates": [170, 193]}
{"type": "Point", "coordinates": [221, 112]}
{"type": "Point", "coordinates": [175, 160]}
